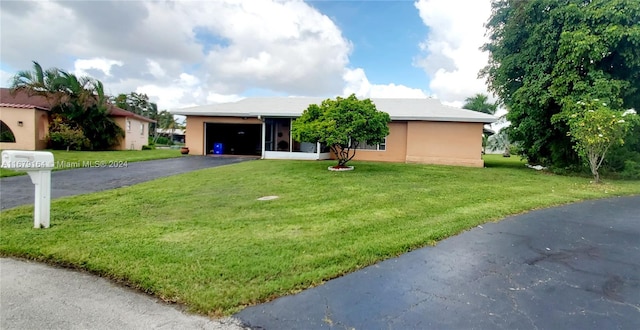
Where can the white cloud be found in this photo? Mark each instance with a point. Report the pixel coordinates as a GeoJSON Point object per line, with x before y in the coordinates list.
{"type": "Point", "coordinates": [5, 78]}
{"type": "Point", "coordinates": [356, 82]}
{"type": "Point", "coordinates": [181, 52]}
{"type": "Point", "coordinates": [81, 66]}
{"type": "Point", "coordinates": [452, 56]}
{"type": "Point", "coordinates": [220, 98]}
{"type": "Point", "coordinates": [155, 69]}
{"type": "Point", "coordinates": [168, 97]}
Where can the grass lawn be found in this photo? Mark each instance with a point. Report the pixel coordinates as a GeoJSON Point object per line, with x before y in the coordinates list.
{"type": "Point", "coordinates": [203, 239]}
{"type": "Point", "coordinates": [70, 159]}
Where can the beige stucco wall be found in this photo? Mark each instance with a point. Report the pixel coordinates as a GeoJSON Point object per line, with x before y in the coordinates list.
{"type": "Point", "coordinates": [194, 136]}
{"type": "Point", "coordinates": [396, 146]}
{"type": "Point", "coordinates": [447, 143]}
{"type": "Point", "coordinates": [32, 134]}
{"type": "Point", "coordinates": [135, 137]}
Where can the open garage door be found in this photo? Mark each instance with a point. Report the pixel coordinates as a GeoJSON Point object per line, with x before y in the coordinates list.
{"type": "Point", "coordinates": [235, 139]}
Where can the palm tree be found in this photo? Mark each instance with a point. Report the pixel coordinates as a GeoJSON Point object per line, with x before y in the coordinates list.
{"type": "Point", "coordinates": [38, 82]}
{"type": "Point", "coordinates": [79, 101]}
{"type": "Point", "coordinates": [500, 141]}
{"type": "Point", "coordinates": [480, 103]}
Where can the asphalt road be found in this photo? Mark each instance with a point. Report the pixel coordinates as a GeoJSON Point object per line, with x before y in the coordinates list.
{"type": "Point", "coordinates": [570, 267]}
{"type": "Point", "coordinates": [18, 190]}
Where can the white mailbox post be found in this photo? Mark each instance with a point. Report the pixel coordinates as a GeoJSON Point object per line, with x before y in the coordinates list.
{"type": "Point", "coordinates": [38, 165]}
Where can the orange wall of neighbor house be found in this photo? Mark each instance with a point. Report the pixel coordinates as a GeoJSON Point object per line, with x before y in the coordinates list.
{"type": "Point", "coordinates": [134, 138]}
{"type": "Point", "coordinates": [446, 143]}
{"type": "Point", "coordinates": [396, 146]}
{"type": "Point", "coordinates": [32, 135]}
{"type": "Point", "coordinates": [194, 136]}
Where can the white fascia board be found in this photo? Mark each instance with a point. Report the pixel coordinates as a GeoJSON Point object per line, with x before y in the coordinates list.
{"type": "Point", "coordinates": [450, 119]}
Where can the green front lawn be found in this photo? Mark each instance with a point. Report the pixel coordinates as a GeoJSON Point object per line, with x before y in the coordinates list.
{"type": "Point", "coordinates": [73, 159]}
{"type": "Point", "coordinates": [203, 239]}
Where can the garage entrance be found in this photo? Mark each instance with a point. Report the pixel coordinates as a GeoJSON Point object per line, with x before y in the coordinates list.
{"type": "Point", "coordinates": [236, 139]}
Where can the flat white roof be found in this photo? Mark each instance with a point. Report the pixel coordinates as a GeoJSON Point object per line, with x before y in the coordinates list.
{"type": "Point", "coordinates": [398, 109]}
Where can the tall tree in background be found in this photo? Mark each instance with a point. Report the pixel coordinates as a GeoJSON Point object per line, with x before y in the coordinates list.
{"type": "Point", "coordinates": [546, 55]}
{"type": "Point", "coordinates": [167, 122]}
{"type": "Point", "coordinates": [480, 103]}
{"type": "Point", "coordinates": [78, 105]}
{"type": "Point", "coordinates": [139, 104]}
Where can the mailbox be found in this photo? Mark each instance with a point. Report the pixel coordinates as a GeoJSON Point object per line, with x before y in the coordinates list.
{"type": "Point", "coordinates": [27, 160]}
{"type": "Point", "coordinates": [38, 165]}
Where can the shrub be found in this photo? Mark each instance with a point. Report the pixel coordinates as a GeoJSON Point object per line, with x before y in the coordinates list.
{"type": "Point", "coordinates": [164, 140]}
{"type": "Point", "coordinates": [631, 170]}
{"type": "Point", "coordinates": [148, 147]}
{"type": "Point", "coordinates": [63, 136]}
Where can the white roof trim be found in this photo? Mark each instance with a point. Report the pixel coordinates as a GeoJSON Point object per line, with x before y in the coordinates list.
{"type": "Point", "coordinates": [398, 109]}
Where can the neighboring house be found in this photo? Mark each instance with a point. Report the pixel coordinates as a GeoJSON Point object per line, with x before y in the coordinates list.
{"type": "Point", "coordinates": [176, 135]}
{"type": "Point", "coordinates": [24, 123]}
{"type": "Point", "coordinates": [421, 131]}
{"type": "Point", "coordinates": [136, 128]}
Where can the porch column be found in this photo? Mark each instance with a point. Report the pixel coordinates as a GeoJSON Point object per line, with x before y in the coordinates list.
{"type": "Point", "coordinates": [264, 136]}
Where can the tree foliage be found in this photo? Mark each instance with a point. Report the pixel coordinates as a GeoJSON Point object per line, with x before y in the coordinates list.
{"type": "Point", "coordinates": [595, 129]}
{"type": "Point", "coordinates": [480, 103]}
{"type": "Point", "coordinates": [137, 103]}
{"type": "Point", "coordinates": [342, 124]}
{"type": "Point", "coordinates": [545, 55]}
{"type": "Point", "coordinates": [63, 136]}
{"type": "Point", "coordinates": [78, 102]}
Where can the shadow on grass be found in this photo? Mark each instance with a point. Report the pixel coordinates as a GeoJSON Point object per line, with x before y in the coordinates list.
{"type": "Point", "coordinates": [498, 161]}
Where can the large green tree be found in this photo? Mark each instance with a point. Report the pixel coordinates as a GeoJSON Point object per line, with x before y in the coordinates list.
{"type": "Point", "coordinates": [342, 124]}
{"type": "Point", "coordinates": [78, 102]}
{"type": "Point", "coordinates": [546, 55]}
{"type": "Point", "coordinates": [137, 103]}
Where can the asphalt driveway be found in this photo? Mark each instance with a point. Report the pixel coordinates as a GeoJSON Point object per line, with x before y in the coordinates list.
{"type": "Point", "coordinates": [570, 267]}
{"type": "Point", "coordinates": [18, 190]}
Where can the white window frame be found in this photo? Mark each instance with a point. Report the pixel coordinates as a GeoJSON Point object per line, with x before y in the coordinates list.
{"type": "Point", "coordinates": [378, 148]}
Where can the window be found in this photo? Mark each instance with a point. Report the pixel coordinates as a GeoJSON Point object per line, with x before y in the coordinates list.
{"type": "Point", "coordinates": [378, 147]}
{"type": "Point", "coordinates": [278, 134]}
{"type": "Point", "coordinates": [128, 125]}
{"type": "Point", "coordinates": [141, 128]}
{"type": "Point", "coordinates": [6, 135]}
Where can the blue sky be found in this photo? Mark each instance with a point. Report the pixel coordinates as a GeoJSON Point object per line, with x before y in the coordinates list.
{"type": "Point", "coordinates": [385, 37]}
{"type": "Point", "coordinates": [187, 53]}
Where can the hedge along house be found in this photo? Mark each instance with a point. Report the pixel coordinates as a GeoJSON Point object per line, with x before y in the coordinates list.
{"type": "Point", "coordinates": [421, 131]}
{"type": "Point", "coordinates": [24, 123]}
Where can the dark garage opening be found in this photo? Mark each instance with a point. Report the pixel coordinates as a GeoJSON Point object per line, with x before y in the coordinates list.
{"type": "Point", "coordinates": [236, 139]}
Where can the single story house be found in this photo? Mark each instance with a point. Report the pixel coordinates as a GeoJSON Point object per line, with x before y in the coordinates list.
{"type": "Point", "coordinates": [24, 123]}
{"type": "Point", "coordinates": [176, 135]}
{"type": "Point", "coordinates": [421, 131]}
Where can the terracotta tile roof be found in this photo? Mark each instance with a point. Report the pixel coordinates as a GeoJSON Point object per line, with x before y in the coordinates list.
{"type": "Point", "coordinates": [22, 100]}
{"type": "Point", "coordinates": [118, 112]}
